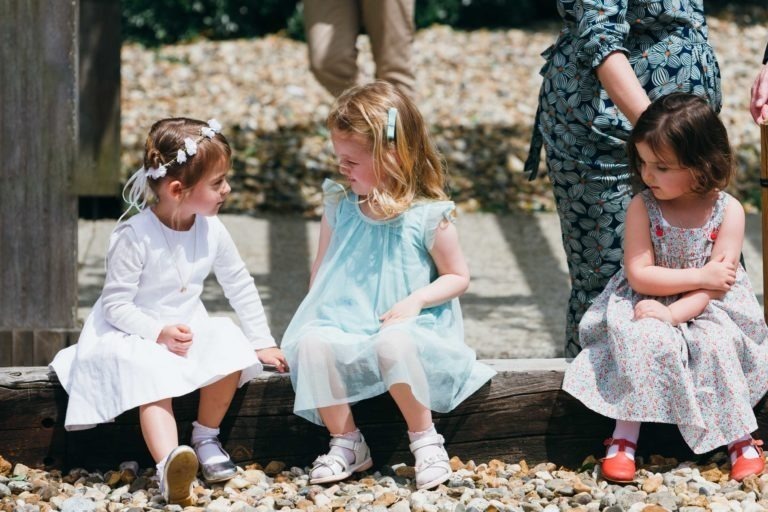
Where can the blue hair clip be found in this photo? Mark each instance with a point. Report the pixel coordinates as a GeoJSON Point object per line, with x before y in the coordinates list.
{"type": "Point", "coordinates": [391, 120]}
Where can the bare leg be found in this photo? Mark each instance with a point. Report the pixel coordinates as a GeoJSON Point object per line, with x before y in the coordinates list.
{"type": "Point", "coordinates": [215, 399]}
{"type": "Point", "coordinates": [338, 419]}
{"type": "Point", "coordinates": [417, 417]}
{"type": "Point", "coordinates": [158, 425]}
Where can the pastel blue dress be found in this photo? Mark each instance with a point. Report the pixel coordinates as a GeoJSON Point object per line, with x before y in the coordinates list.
{"type": "Point", "coordinates": [335, 346]}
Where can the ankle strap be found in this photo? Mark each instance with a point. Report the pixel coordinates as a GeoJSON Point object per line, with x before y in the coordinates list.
{"type": "Point", "coordinates": [757, 443]}
{"type": "Point", "coordinates": [622, 443]}
{"type": "Point", "coordinates": [343, 442]}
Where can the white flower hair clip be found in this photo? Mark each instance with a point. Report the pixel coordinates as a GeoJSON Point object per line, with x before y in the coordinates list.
{"type": "Point", "coordinates": [136, 188]}
{"type": "Point", "coordinates": [189, 149]}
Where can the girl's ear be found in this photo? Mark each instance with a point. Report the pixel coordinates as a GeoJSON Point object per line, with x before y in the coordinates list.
{"type": "Point", "coordinates": [176, 189]}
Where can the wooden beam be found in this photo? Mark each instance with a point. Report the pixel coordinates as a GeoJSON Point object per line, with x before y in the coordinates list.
{"type": "Point", "coordinates": [98, 162]}
{"type": "Point", "coordinates": [521, 414]}
{"type": "Point", "coordinates": [38, 144]}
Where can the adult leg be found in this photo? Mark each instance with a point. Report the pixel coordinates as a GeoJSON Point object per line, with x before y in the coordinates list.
{"type": "Point", "coordinates": [391, 28]}
{"type": "Point", "coordinates": [332, 27]}
{"type": "Point", "coordinates": [592, 199]}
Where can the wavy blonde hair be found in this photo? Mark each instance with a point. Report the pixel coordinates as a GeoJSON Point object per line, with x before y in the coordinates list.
{"type": "Point", "coordinates": [411, 161]}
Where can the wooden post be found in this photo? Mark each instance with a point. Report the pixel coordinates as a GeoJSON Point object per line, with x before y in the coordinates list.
{"type": "Point", "coordinates": [98, 161]}
{"type": "Point", "coordinates": [764, 204]}
{"type": "Point", "coordinates": [38, 207]}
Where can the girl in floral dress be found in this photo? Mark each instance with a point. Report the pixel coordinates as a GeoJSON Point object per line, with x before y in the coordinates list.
{"type": "Point", "coordinates": [610, 60]}
{"type": "Point", "coordinates": [677, 336]}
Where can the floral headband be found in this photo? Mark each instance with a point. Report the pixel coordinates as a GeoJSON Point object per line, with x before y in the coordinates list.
{"type": "Point", "coordinates": [136, 186]}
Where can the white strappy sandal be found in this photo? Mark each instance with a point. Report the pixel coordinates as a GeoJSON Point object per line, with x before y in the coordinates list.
{"type": "Point", "coordinates": [340, 468]}
{"type": "Point", "coordinates": [437, 461]}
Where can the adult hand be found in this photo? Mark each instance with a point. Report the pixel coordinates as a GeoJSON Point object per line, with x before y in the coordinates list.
{"type": "Point", "coordinates": [407, 308]}
{"type": "Point", "coordinates": [273, 356]}
{"type": "Point", "coordinates": [758, 107]}
{"type": "Point", "coordinates": [177, 338]}
{"type": "Point", "coordinates": [650, 308]}
{"type": "Point", "coordinates": [718, 274]}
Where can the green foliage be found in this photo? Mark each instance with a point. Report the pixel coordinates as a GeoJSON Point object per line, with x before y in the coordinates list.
{"type": "Point", "coordinates": [153, 22]}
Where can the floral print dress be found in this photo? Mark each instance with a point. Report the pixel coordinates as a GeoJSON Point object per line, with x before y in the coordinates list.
{"type": "Point", "coordinates": [704, 375]}
{"type": "Point", "coordinates": [584, 133]}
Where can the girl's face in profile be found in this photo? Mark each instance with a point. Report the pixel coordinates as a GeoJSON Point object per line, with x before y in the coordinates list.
{"type": "Point", "coordinates": [208, 194]}
{"type": "Point", "coordinates": [355, 161]}
{"type": "Point", "coordinates": [663, 174]}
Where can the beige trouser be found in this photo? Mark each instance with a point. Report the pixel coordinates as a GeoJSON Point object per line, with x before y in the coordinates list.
{"type": "Point", "coordinates": [332, 27]}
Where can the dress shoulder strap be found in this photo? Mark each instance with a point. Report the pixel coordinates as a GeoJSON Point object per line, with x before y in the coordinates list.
{"type": "Point", "coordinates": [718, 211]}
{"type": "Point", "coordinates": [654, 212]}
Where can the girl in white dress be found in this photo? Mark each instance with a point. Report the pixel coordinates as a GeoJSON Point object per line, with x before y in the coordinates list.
{"type": "Point", "coordinates": [149, 338]}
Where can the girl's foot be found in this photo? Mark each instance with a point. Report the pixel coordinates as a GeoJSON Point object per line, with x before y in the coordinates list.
{"type": "Point", "coordinates": [215, 463]}
{"type": "Point", "coordinates": [349, 454]}
{"type": "Point", "coordinates": [177, 476]}
{"type": "Point", "coordinates": [432, 466]}
{"type": "Point", "coordinates": [619, 463]}
{"type": "Point", "coordinates": [746, 458]}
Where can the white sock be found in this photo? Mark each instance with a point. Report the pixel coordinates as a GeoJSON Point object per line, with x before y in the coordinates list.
{"type": "Point", "coordinates": [209, 453]}
{"type": "Point", "coordinates": [629, 430]}
{"type": "Point", "coordinates": [160, 481]}
{"type": "Point", "coordinates": [749, 452]}
{"type": "Point", "coordinates": [426, 452]}
{"type": "Point", "coordinates": [345, 453]}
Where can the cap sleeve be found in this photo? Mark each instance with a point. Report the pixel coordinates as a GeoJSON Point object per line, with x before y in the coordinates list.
{"type": "Point", "coordinates": [435, 214]}
{"type": "Point", "coordinates": [333, 193]}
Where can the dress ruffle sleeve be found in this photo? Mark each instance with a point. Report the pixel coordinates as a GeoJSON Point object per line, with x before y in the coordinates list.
{"type": "Point", "coordinates": [333, 193]}
{"type": "Point", "coordinates": [603, 29]}
{"type": "Point", "coordinates": [434, 216]}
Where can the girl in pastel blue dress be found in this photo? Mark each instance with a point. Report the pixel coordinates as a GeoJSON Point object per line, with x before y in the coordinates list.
{"type": "Point", "coordinates": [677, 336]}
{"type": "Point", "coordinates": [382, 313]}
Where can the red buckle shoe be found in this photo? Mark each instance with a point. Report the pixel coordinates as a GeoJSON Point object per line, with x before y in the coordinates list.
{"type": "Point", "coordinates": [619, 468]}
{"type": "Point", "coordinates": [743, 467]}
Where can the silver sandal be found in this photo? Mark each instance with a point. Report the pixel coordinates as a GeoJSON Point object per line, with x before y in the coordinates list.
{"type": "Point", "coordinates": [217, 471]}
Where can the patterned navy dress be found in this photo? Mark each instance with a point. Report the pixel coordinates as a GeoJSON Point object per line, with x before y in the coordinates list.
{"type": "Point", "coordinates": [584, 133]}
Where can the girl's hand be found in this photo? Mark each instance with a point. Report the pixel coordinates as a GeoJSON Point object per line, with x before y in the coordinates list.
{"type": "Point", "coordinates": [718, 274]}
{"type": "Point", "coordinates": [407, 308]}
{"type": "Point", "coordinates": [273, 356]}
{"type": "Point", "coordinates": [176, 338]}
{"type": "Point", "coordinates": [649, 308]}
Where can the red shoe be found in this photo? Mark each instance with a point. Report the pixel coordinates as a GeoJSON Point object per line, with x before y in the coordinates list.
{"type": "Point", "coordinates": [619, 468]}
{"type": "Point", "coordinates": [744, 467]}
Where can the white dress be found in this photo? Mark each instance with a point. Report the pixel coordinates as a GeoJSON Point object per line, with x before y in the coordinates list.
{"type": "Point", "coordinates": [117, 364]}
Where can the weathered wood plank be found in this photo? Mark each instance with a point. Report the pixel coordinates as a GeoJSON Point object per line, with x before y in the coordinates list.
{"type": "Point", "coordinates": [98, 162]}
{"type": "Point", "coordinates": [38, 141]}
{"type": "Point", "coordinates": [522, 413]}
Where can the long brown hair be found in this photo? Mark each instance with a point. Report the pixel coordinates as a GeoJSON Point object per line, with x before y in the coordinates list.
{"type": "Point", "coordinates": [411, 161]}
